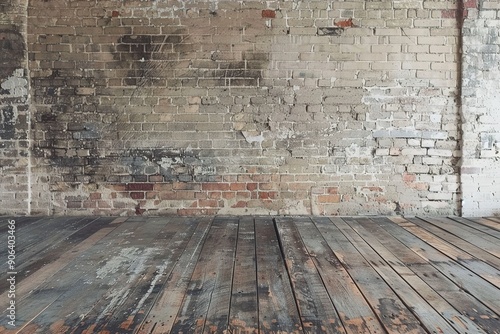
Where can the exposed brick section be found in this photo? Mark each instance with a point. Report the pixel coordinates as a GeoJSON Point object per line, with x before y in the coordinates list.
{"type": "Point", "coordinates": [334, 108]}
{"type": "Point", "coordinates": [14, 107]}
{"type": "Point", "coordinates": [268, 13]}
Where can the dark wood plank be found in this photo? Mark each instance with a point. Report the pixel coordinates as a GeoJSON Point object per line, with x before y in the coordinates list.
{"type": "Point", "coordinates": [480, 239]}
{"type": "Point", "coordinates": [50, 251]}
{"type": "Point", "coordinates": [354, 311]}
{"type": "Point", "coordinates": [277, 309]}
{"type": "Point", "coordinates": [463, 302]}
{"type": "Point", "coordinates": [391, 311]}
{"type": "Point", "coordinates": [160, 318]}
{"type": "Point", "coordinates": [316, 310]}
{"type": "Point", "coordinates": [434, 299]}
{"type": "Point", "coordinates": [473, 252]}
{"type": "Point", "coordinates": [478, 224]}
{"type": "Point", "coordinates": [20, 222]}
{"type": "Point", "coordinates": [243, 315]}
{"type": "Point", "coordinates": [50, 270]}
{"type": "Point", "coordinates": [464, 278]}
{"type": "Point", "coordinates": [75, 278]}
{"type": "Point", "coordinates": [137, 289]}
{"type": "Point", "coordinates": [205, 308]}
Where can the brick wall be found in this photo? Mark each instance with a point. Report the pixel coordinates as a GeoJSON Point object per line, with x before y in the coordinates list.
{"type": "Point", "coordinates": [14, 129]}
{"type": "Point", "coordinates": [277, 107]}
{"type": "Point", "coordinates": [481, 110]}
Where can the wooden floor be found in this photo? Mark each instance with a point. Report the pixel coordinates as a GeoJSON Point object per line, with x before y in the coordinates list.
{"type": "Point", "coordinates": [253, 275]}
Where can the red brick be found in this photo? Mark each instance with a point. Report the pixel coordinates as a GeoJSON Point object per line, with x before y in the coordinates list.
{"type": "Point", "coordinates": [228, 195]}
{"type": "Point", "coordinates": [252, 186]}
{"type": "Point", "coordinates": [95, 196]}
{"type": "Point", "coordinates": [240, 204]}
{"type": "Point", "coordinates": [243, 194]}
{"type": "Point", "coordinates": [332, 190]}
{"type": "Point", "coordinates": [409, 177]}
{"type": "Point", "coordinates": [139, 186]}
{"type": "Point", "coordinates": [448, 13]}
{"type": "Point", "coordinates": [237, 186]}
{"type": "Point", "coordinates": [211, 203]}
{"type": "Point", "coordinates": [268, 194]}
{"type": "Point", "coordinates": [215, 186]}
{"type": "Point", "coordinates": [214, 194]}
{"type": "Point", "coordinates": [268, 13]}
{"type": "Point", "coordinates": [115, 13]}
{"type": "Point", "coordinates": [166, 195]}
{"type": "Point", "coordinates": [137, 195]}
{"type": "Point", "coordinates": [329, 199]}
{"type": "Point", "coordinates": [345, 23]}
{"type": "Point", "coordinates": [470, 3]}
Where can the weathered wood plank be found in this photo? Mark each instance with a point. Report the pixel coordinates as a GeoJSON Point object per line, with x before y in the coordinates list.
{"type": "Point", "coordinates": [437, 302]}
{"type": "Point", "coordinates": [316, 310]}
{"type": "Point", "coordinates": [139, 287]}
{"type": "Point", "coordinates": [29, 262]}
{"type": "Point", "coordinates": [488, 222]}
{"type": "Point", "coordinates": [495, 219]}
{"type": "Point", "coordinates": [480, 239]}
{"type": "Point", "coordinates": [160, 318]}
{"type": "Point", "coordinates": [477, 224]}
{"type": "Point", "coordinates": [205, 308]}
{"type": "Point", "coordinates": [73, 278]}
{"type": "Point", "coordinates": [277, 309]}
{"type": "Point", "coordinates": [243, 316]}
{"type": "Point", "coordinates": [473, 252]}
{"type": "Point", "coordinates": [463, 302]}
{"type": "Point", "coordinates": [392, 313]}
{"type": "Point", "coordinates": [464, 278]}
{"type": "Point", "coordinates": [354, 311]}
{"type": "Point", "coordinates": [480, 268]}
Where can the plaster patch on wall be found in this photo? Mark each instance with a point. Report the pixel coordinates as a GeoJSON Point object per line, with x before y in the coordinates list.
{"type": "Point", "coordinates": [16, 85]}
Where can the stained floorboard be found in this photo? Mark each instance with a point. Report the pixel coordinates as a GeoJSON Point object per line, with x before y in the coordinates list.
{"type": "Point", "coordinates": [253, 275]}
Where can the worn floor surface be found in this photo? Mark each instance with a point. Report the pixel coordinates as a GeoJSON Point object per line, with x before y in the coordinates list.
{"type": "Point", "coordinates": [252, 275]}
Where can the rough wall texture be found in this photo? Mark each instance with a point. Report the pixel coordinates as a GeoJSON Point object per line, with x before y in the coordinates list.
{"type": "Point", "coordinates": [481, 111]}
{"type": "Point", "coordinates": [14, 129]}
{"type": "Point", "coordinates": [233, 107]}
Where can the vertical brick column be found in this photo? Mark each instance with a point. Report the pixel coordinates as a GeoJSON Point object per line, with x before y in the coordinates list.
{"type": "Point", "coordinates": [480, 167]}
{"type": "Point", "coordinates": [14, 120]}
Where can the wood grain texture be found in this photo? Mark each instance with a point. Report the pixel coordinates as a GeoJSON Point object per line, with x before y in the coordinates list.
{"type": "Point", "coordinates": [255, 275]}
